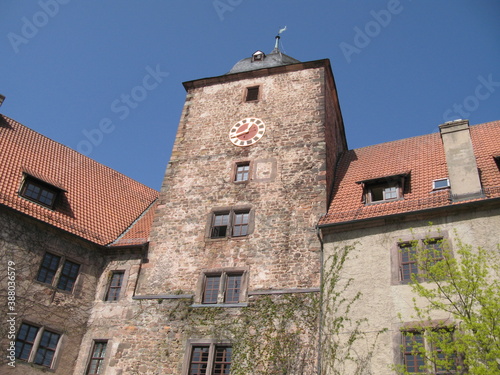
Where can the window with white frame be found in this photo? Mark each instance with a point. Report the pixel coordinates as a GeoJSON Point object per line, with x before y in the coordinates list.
{"type": "Point", "coordinates": [58, 272]}
{"type": "Point", "coordinates": [37, 345]}
{"type": "Point", "coordinates": [441, 183]}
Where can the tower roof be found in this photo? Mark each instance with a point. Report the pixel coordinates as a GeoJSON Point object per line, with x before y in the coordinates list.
{"type": "Point", "coordinates": [259, 60]}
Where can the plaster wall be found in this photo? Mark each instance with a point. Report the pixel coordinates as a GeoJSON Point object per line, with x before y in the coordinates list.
{"type": "Point", "coordinates": [373, 265]}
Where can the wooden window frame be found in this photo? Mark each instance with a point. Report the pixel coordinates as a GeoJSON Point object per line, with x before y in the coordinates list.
{"type": "Point", "coordinates": [97, 363]}
{"type": "Point", "coordinates": [61, 279]}
{"type": "Point", "coordinates": [252, 94]}
{"type": "Point", "coordinates": [219, 291]}
{"type": "Point", "coordinates": [418, 244]}
{"type": "Point", "coordinates": [237, 173]}
{"type": "Point", "coordinates": [114, 292]}
{"type": "Point", "coordinates": [384, 189]}
{"type": "Point", "coordinates": [417, 358]}
{"type": "Point", "coordinates": [222, 293]}
{"type": "Point", "coordinates": [44, 188]}
{"type": "Point", "coordinates": [397, 255]}
{"type": "Point", "coordinates": [209, 361]}
{"type": "Point", "coordinates": [232, 228]}
{"type": "Point", "coordinates": [40, 345]}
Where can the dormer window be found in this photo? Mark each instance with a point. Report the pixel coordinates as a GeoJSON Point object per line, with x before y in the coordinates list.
{"type": "Point", "coordinates": [497, 161]}
{"type": "Point", "coordinates": [383, 189]}
{"type": "Point", "coordinates": [258, 56]}
{"type": "Point", "coordinates": [39, 191]}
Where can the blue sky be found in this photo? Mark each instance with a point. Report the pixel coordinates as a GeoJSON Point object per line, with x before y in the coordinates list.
{"type": "Point", "coordinates": [105, 77]}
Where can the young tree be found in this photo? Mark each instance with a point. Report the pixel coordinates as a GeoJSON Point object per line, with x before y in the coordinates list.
{"type": "Point", "coordinates": [466, 286]}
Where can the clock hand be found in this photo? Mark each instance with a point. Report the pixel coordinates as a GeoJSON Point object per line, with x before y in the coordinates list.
{"type": "Point", "coordinates": [247, 130]}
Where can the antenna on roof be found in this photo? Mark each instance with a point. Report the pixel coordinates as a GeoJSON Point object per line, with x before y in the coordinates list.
{"type": "Point", "coordinates": [276, 45]}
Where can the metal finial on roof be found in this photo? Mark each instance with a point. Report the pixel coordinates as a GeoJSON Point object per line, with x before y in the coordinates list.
{"type": "Point", "coordinates": [276, 45]}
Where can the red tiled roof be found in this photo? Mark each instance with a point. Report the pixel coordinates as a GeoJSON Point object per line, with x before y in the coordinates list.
{"type": "Point", "coordinates": [423, 157]}
{"type": "Point", "coordinates": [98, 203]}
{"type": "Point", "coordinates": [138, 233]}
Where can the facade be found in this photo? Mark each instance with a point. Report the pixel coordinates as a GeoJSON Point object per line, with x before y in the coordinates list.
{"type": "Point", "coordinates": [437, 187]}
{"type": "Point", "coordinates": [115, 278]}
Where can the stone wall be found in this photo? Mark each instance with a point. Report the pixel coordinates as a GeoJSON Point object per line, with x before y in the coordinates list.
{"type": "Point", "coordinates": [287, 190]}
{"type": "Point", "coordinates": [24, 242]}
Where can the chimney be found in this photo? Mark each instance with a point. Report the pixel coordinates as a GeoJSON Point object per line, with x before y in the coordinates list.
{"type": "Point", "coordinates": [461, 161]}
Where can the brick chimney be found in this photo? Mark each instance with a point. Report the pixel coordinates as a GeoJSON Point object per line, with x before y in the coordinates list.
{"type": "Point", "coordinates": [461, 161]}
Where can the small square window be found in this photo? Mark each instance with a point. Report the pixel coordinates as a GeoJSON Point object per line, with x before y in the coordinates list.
{"type": "Point", "coordinates": [96, 363]}
{"type": "Point", "coordinates": [59, 272]}
{"type": "Point", "coordinates": [252, 94]}
{"type": "Point", "coordinates": [213, 359]}
{"type": "Point", "coordinates": [37, 345]}
{"type": "Point", "coordinates": [240, 225]}
{"type": "Point", "coordinates": [442, 183]}
{"type": "Point", "coordinates": [242, 172]}
{"type": "Point", "coordinates": [222, 287]}
{"type": "Point", "coordinates": [115, 286]}
{"type": "Point", "coordinates": [39, 192]}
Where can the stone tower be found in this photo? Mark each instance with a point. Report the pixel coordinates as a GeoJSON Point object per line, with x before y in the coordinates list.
{"type": "Point", "coordinates": [249, 177]}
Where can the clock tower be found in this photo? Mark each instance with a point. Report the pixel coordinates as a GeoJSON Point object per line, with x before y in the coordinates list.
{"type": "Point", "coordinates": [249, 177]}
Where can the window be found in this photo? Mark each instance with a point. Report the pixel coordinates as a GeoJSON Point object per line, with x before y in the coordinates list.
{"type": "Point", "coordinates": [96, 363]}
{"type": "Point", "coordinates": [409, 255]}
{"type": "Point", "coordinates": [37, 345]}
{"type": "Point", "coordinates": [231, 223]}
{"type": "Point", "coordinates": [223, 287]}
{"type": "Point", "coordinates": [384, 189]}
{"type": "Point", "coordinates": [210, 359]}
{"type": "Point", "coordinates": [383, 192]}
{"type": "Point", "coordinates": [115, 286]}
{"type": "Point", "coordinates": [39, 192]}
{"type": "Point", "coordinates": [51, 269]}
{"type": "Point", "coordinates": [423, 351]}
{"type": "Point", "coordinates": [252, 94]}
{"type": "Point", "coordinates": [258, 56]}
{"type": "Point", "coordinates": [242, 172]}
{"type": "Point", "coordinates": [442, 183]}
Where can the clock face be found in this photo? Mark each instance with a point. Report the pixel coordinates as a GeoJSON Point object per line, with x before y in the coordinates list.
{"type": "Point", "coordinates": [247, 132]}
